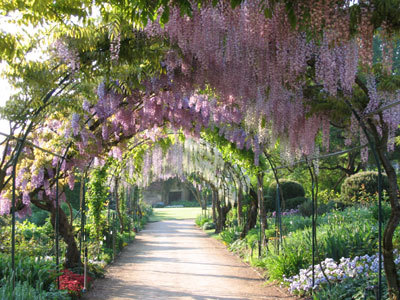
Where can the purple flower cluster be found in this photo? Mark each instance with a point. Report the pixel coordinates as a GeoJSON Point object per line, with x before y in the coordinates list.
{"type": "Point", "coordinates": [360, 266]}
{"type": "Point", "coordinates": [290, 212]}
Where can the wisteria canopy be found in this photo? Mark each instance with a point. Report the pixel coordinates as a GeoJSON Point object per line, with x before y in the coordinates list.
{"type": "Point", "coordinates": [117, 75]}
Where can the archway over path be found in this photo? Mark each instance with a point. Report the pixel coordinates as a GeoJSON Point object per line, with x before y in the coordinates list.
{"type": "Point", "coordinates": [249, 79]}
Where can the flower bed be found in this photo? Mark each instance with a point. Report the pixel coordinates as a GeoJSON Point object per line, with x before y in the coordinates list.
{"type": "Point", "coordinates": [72, 282]}
{"type": "Point", "coordinates": [364, 269]}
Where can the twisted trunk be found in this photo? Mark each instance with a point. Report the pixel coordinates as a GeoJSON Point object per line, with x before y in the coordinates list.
{"type": "Point", "coordinates": [239, 205]}
{"type": "Point", "coordinates": [118, 208]}
{"type": "Point", "coordinates": [214, 205]}
{"type": "Point", "coordinates": [218, 225]}
{"type": "Point", "coordinates": [262, 214]}
{"type": "Point", "coordinates": [251, 214]}
{"type": "Point", "coordinates": [72, 256]}
{"type": "Point", "coordinates": [388, 257]}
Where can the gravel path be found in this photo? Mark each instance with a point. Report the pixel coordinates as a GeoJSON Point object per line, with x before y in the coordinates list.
{"type": "Point", "coordinates": [176, 260]}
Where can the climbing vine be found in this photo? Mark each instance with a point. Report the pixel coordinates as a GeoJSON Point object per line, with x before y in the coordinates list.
{"type": "Point", "coordinates": [97, 195]}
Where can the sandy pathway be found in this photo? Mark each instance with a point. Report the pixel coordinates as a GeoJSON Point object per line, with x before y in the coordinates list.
{"type": "Point", "coordinates": [175, 260]}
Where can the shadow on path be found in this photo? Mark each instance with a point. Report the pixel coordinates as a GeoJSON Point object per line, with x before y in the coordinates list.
{"type": "Point", "coordinates": [175, 260]}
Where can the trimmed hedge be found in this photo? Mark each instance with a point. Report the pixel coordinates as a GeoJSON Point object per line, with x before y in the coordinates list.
{"type": "Point", "coordinates": [291, 189]}
{"type": "Point", "coordinates": [362, 187]}
{"type": "Point", "coordinates": [294, 203]}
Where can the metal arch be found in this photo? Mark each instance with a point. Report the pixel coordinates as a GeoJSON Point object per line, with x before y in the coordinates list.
{"type": "Point", "coordinates": [371, 145]}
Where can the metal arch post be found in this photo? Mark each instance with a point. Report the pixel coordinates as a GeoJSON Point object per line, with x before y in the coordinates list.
{"type": "Point", "coordinates": [18, 147]}
{"type": "Point", "coordinates": [14, 169]}
{"type": "Point", "coordinates": [279, 216]}
{"type": "Point", "coordinates": [371, 145]}
{"type": "Point", "coordinates": [57, 225]}
{"type": "Point", "coordinates": [57, 219]}
{"type": "Point", "coordinates": [83, 214]}
{"type": "Point", "coordinates": [313, 234]}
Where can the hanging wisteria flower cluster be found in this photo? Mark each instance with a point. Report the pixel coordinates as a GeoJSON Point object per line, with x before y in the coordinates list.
{"type": "Point", "coordinates": [257, 65]}
{"type": "Point", "coordinates": [361, 266]}
{"type": "Point", "coordinates": [180, 161]}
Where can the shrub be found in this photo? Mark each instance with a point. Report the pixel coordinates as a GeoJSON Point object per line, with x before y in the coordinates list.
{"type": "Point", "coordinates": [35, 279]}
{"type": "Point", "coordinates": [208, 226]}
{"type": "Point", "coordinates": [230, 235]}
{"type": "Point", "coordinates": [72, 282]}
{"type": "Point", "coordinates": [386, 210]}
{"type": "Point", "coordinates": [290, 189]}
{"type": "Point", "coordinates": [340, 234]}
{"type": "Point", "coordinates": [269, 203]}
{"type": "Point", "coordinates": [294, 223]}
{"type": "Point", "coordinates": [252, 237]}
{"type": "Point", "coordinates": [362, 187]}
{"type": "Point", "coordinates": [202, 219]}
{"type": "Point", "coordinates": [184, 203]}
{"type": "Point", "coordinates": [306, 208]}
{"type": "Point", "coordinates": [24, 291]}
{"type": "Point", "coordinates": [293, 203]}
{"type": "Point", "coordinates": [349, 279]}
{"type": "Point", "coordinates": [294, 255]}
{"type": "Point", "coordinates": [326, 196]}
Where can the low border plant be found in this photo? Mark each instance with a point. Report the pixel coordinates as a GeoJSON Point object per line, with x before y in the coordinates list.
{"type": "Point", "coordinates": [358, 275]}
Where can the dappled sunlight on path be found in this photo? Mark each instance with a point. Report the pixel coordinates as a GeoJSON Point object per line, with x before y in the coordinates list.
{"type": "Point", "coordinates": [175, 260]}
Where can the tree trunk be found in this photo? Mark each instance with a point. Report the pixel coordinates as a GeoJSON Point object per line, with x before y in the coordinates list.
{"type": "Point", "coordinates": [252, 214]}
{"type": "Point", "coordinates": [239, 205]}
{"type": "Point", "coordinates": [225, 209]}
{"type": "Point", "coordinates": [72, 257]}
{"type": "Point", "coordinates": [393, 192]}
{"type": "Point", "coordinates": [260, 196]}
{"type": "Point", "coordinates": [121, 219]}
{"type": "Point", "coordinates": [218, 225]}
{"type": "Point", "coordinates": [214, 204]}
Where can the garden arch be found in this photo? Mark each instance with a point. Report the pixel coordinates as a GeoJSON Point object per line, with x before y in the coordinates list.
{"type": "Point", "coordinates": [253, 79]}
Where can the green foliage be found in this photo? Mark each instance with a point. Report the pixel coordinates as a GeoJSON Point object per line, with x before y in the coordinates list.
{"type": "Point", "coordinates": [31, 240]}
{"type": "Point", "coordinates": [184, 203]}
{"type": "Point", "coordinates": [362, 187]}
{"type": "Point", "coordinates": [24, 291]}
{"type": "Point", "coordinates": [294, 203]}
{"type": "Point", "coordinates": [326, 196]}
{"type": "Point", "coordinates": [208, 225]}
{"type": "Point", "coordinates": [293, 193]}
{"type": "Point", "coordinates": [292, 223]}
{"type": "Point", "coordinates": [353, 288]}
{"type": "Point", "coordinates": [294, 255]}
{"type": "Point", "coordinates": [291, 189]}
{"type": "Point", "coordinates": [35, 279]}
{"type": "Point", "coordinates": [243, 158]}
{"type": "Point", "coordinates": [202, 219]}
{"type": "Point", "coordinates": [348, 233]}
{"type": "Point", "coordinates": [73, 197]}
{"type": "Point", "coordinates": [230, 235]}
{"type": "Point", "coordinates": [38, 216]}
{"type": "Point", "coordinates": [97, 195]}
{"type": "Point", "coordinates": [306, 208]}
{"type": "Point", "coordinates": [386, 210]}
{"type": "Point", "coordinates": [252, 237]}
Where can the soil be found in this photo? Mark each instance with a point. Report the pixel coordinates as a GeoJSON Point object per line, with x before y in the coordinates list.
{"type": "Point", "coordinates": [176, 260]}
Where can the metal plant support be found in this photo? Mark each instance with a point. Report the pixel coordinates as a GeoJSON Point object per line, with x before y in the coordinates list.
{"type": "Point", "coordinates": [371, 145]}
{"type": "Point", "coordinates": [313, 234]}
{"type": "Point", "coordinates": [57, 220]}
{"type": "Point", "coordinates": [13, 221]}
{"type": "Point", "coordinates": [83, 216]}
{"type": "Point", "coordinates": [278, 218]}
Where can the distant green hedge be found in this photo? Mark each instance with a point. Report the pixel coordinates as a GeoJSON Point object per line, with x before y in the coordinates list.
{"type": "Point", "coordinates": [362, 187]}
{"type": "Point", "coordinates": [291, 189]}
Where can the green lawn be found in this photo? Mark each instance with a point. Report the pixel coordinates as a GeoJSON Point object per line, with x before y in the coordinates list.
{"type": "Point", "coordinates": [160, 214]}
